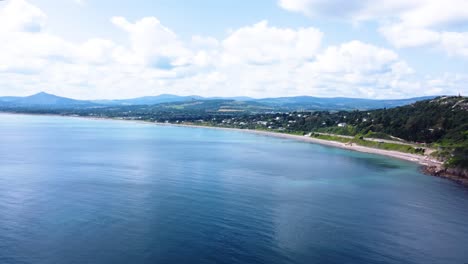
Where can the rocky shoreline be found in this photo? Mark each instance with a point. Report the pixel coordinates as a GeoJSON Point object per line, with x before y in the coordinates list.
{"type": "Point", "coordinates": [454, 174]}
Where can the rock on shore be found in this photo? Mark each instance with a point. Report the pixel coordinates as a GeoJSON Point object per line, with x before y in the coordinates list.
{"type": "Point", "coordinates": [456, 174]}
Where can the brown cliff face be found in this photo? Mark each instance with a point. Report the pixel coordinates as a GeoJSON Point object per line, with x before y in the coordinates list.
{"type": "Point", "coordinates": [458, 175]}
{"type": "Point", "coordinates": [461, 172]}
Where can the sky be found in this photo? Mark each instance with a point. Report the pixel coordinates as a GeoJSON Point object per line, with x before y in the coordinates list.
{"type": "Point", "coordinates": [102, 49]}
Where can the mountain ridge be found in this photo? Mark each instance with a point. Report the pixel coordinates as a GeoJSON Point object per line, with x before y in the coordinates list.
{"type": "Point", "coordinates": [292, 103]}
{"type": "Point", "coordinates": [42, 99]}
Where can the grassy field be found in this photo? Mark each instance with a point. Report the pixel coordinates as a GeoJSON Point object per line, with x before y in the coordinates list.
{"type": "Point", "coordinates": [372, 144]}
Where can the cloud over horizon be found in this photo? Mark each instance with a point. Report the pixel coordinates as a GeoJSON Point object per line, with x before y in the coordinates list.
{"type": "Point", "coordinates": [403, 23]}
{"type": "Point", "coordinates": [257, 60]}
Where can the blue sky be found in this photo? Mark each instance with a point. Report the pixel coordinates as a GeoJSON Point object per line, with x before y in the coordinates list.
{"type": "Point", "coordinates": [119, 49]}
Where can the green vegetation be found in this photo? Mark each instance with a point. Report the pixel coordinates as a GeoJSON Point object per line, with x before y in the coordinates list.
{"type": "Point", "coordinates": [332, 138]}
{"type": "Point", "coordinates": [378, 135]}
{"type": "Point", "coordinates": [348, 130]}
{"type": "Point", "coordinates": [373, 144]}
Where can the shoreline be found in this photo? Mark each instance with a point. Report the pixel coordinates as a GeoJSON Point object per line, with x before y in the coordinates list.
{"type": "Point", "coordinates": [429, 166]}
{"type": "Point", "coordinates": [421, 160]}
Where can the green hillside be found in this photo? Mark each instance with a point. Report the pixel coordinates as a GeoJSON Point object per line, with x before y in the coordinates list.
{"type": "Point", "coordinates": [441, 123]}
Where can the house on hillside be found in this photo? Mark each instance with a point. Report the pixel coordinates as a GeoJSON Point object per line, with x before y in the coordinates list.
{"type": "Point", "coordinates": [342, 125]}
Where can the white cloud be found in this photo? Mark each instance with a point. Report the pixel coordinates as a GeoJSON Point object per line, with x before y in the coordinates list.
{"type": "Point", "coordinates": [152, 43]}
{"type": "Point", "coordinates": [403, 23]}
{"type": "Point", "coordinates": [455, 43]}
{"type": "Point", "coordinates": [98, 51]}
{"type": "Point", "coordinates": [32, 52]}
{"type": "Point", "coordinates": [355, 56]}
{"type": "Point", "coordinates": [401, 36]}
{"type": "Point", "coordinates": [353, 69]}
{"type": "Point", "coordinates": [200, 42]}
{"type": "Point", "coordinates": [356, 68]}
{"type": "Point", "coordinates": [256, 60]}
{"type": "Point", "coordinates": [351, 9]}
{"type": "Point", "coordinates": [414, 13]}
{"type": "Point", "coordinates": [262, 44]}
{"type": "Point", "coordinates": [447, 82]}
{"type": "Point", "coordinates": [20, 16]}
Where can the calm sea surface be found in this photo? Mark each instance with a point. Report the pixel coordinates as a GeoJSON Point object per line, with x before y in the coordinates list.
{"type": "Point", "coordinates": [87, 191]}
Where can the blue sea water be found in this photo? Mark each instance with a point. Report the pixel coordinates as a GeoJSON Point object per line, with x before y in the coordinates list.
{"type": "Point", "coordinates": [96, 191]}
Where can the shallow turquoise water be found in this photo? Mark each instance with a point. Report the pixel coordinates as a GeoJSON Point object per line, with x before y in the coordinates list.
{"type": "Point", "coordinates": [88, 191]}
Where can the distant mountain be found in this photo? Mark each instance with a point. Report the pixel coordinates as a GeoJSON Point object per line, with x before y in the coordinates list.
{"type": "Point", "coordinates": [284, 103]}
{"type": "Point", "coordinates": [166, 98]}
{"type": "Point", "coordinates": [150, 100]}
{"type": "Point", "coordinates": [336, 103]}
{"type": "Point", "coordinates": [235, 98]}
{"type": "Point", "coordinates": [273, 104]}
{"type": "Point", "coordinates": [43, 100]}
{"type": "Point", "coordinates": [9, 98]}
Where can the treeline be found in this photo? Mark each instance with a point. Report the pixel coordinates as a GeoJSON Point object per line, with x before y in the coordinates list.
{"type": "Point", "coordinates": [440, 119]}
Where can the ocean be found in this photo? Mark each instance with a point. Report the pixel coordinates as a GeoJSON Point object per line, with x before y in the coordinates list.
{"type": "Point", "coordinates": [99, 191]}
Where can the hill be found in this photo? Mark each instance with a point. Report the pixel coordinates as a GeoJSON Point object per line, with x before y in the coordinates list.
{"type": "Point", "coordinates": [43, 100]}
{"type": "Point", "coordinates": [298, 103]}
{"type": "Point", "coordinates": [425, 121]}
{"type": "Point", "coordinates": [337, 103]}
{"type": "Point", "coordinates": [282, 103]}
{"type": "Point", "coordinates": [441, 123]}
{"type": "Point", "coordinates": [218, 105]}
{"type": "Point", "coordinates": [149, 100]}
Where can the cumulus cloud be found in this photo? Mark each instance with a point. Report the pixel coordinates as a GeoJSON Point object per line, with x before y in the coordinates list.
{"type": "Point", "coordinates": [415, 13]}
{"type": "Point", "coordinates": [20, 16]}
{"type": "Point", "coordinates": [256, 60]}
{"type": "Point", "coordinates": [351, 9]}
{"type": "Point", "coordinates": [357, 67]}
{"type": "Point", "coordinates": [200, 43]}
{"type": "Point", "coordinates": [24, 47]}
{"type": "Point", "coordinates": [262, 44]}
{"type": "Point", "coordinates": [355, 56]}
{"type": "Point", "coordinates": [401, 36]}
{"type": "Point", "coordinates": [96, 51]}
{"type": "Point", "coordinates": [152, 43]}
{"type": "Point", "coordinates": [455, 43]}
{"type": "Point", "coordinates": [403, 23]}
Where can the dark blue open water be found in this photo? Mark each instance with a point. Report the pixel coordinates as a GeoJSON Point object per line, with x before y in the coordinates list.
{"type": "Point", "coordinates": [87, 191]}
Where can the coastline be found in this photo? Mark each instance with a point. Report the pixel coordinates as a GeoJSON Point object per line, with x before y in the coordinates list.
{"type": "Point", "coordinates": [421, 160]}
{"type": "Point", "coordinates": [429, 166]}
